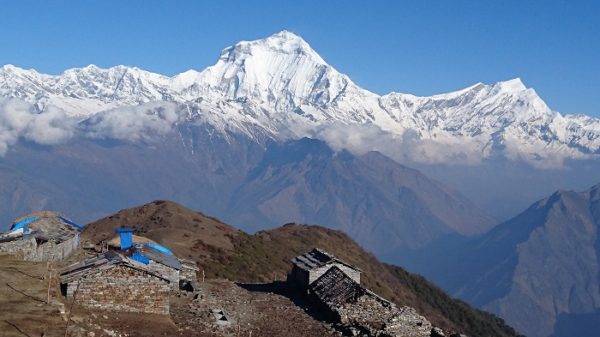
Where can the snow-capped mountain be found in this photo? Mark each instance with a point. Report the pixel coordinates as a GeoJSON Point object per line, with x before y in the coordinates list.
{"type": "Point", "coordinates": [280, 87]}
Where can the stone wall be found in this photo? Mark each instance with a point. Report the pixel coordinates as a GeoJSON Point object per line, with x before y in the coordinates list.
{"type": "Point", "coordinates": [22, 248]}
{"type": "Point", "coordinates": [188, 274]}
{"type": "Point", "coordinates": [51, 251]}
{"type": "Point", "coordinates": [376, 317]}
{"type": "Point", "coordinates": [122, 288]}
{"type": "Point", "coordinates": [298, 277]}
{"type": "Point", "coordinates": [27, 249]}
{"type": "Point", "coordinates": [171, 274]}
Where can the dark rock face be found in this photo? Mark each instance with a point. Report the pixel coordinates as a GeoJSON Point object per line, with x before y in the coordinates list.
{"type": "Point", "coordinates": [539, 270]}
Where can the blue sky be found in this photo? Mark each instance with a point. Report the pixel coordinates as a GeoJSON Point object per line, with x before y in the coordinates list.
{"type": "Point", "coordinates": [419, 47]}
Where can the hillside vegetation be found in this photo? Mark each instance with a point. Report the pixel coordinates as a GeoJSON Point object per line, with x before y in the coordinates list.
{"type": "Point", "coordinates": [224, 252]}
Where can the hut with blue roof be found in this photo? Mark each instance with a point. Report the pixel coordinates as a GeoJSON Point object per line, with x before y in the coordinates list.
{"type": "Point", "coordinates": [157, 257]}
{"type": "Point", "coordinates": [42, 236]}
{"type": "Point", "coordinates": [135, 276]}
{"type": "Point", "coordinates": [116, 282]}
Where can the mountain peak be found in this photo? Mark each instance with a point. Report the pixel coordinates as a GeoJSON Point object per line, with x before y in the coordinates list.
{"type": "Point", "coordinates": [283, 42]}
{"type": "Point", "coordinates": [513, 85]}
{"type": "Point", "coordinates": [282, 63]}
{"type": "Point", "coordinates": [287, 36]}
{"type": "Point", "coordinates": [9, 68]}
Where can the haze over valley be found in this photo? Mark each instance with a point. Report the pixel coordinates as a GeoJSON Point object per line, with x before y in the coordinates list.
{"type": "Point", "coordinates": [487, 191]}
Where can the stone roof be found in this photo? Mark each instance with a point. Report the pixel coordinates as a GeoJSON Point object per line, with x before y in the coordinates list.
{"type": "Point", "coordinates": [49, 226]}
{"type": "Point", "coordinates": [361, 311]}
{"type": "Point", "coordinates": [317, 258]}
{"type": "Point", "coordinates": [335, 288]}
{"type": "Point", "coordinates": [103, 262]}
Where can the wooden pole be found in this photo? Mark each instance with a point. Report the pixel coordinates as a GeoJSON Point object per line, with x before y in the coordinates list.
{"type": "Point", "coordinates": [49, 265]}
{"type": "Point", "coordinates": [71, 308]}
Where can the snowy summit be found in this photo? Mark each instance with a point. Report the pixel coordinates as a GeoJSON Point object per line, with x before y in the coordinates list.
{"type": "Point", "coordinates": [280, 87]}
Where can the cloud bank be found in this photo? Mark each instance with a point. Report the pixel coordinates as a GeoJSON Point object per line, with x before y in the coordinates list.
{"type": "Point", "coordinates": [408, 147]}
{"type": "Point", "coordinates": [19, 120]}
{"type": "Point", "coordinates": [150, 121]}
{"type": "Point", "coordinates": [137, 123]}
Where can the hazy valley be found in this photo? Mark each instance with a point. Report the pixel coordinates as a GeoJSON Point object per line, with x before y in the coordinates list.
{"type": "Point", "coordinates": [272, 134]}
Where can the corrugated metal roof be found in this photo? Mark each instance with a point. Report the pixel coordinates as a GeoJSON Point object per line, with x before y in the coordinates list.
{"type": "Point", "coordinates": [158, 256]}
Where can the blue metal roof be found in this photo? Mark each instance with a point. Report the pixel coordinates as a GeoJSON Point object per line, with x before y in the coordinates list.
{"type": "Point", "coordinates": [78, 226]}
{"type": "Point", "coordinates": [159, 248]}
{"type": "Point", "coordinates": [168, 260]}
{"type": "Point", "coordinates": [22, 223]}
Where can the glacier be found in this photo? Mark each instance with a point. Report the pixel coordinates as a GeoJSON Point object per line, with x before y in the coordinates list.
{"type": "Point", "coordinates": [280, 88]}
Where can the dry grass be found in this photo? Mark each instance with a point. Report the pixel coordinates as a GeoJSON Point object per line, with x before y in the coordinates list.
{"type": "Point", "coordinates": [23, 295]}
{"type": "Point", "coordinates": [225, 252]}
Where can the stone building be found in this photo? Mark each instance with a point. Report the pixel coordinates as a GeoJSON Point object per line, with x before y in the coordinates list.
{"type": "Point", "coordinates": [188, 275]}
{"type": "Point", "coordinates": [157, 257]}
{"type": "Point", "coordinates": [43, 236]}
{"type": "Point", "coordinates": [113, 281]}
{"type": "Point", "coordinates": [359, 311]}
{"type": "Point", "coordinates": [162, 262]}
{"type": "Point", "coordinates": [308, 267]}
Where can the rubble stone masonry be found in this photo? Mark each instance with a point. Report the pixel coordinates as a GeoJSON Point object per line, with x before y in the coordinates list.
{"type": "Point", "coordinates": [27, 249]}
{"type": "Point", "coordinates": [122, 288]}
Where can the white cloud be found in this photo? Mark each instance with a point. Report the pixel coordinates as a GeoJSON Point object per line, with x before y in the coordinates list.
{"type": "Point", "coordinates": [19, 120]}
{"type": "Point", "coordinates": [409, 147]}
{"type": "Point", "coordinates": [138, 123]}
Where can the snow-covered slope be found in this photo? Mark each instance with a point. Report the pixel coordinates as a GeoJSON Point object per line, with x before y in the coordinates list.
{"type": "Point", "coordinates": [280, 87]}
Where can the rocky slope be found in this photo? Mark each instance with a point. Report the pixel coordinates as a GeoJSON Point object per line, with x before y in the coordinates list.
{"type": "Point", "coordinates": [539, 270]}
{"type": "Point", "coordinates": [265, 256]}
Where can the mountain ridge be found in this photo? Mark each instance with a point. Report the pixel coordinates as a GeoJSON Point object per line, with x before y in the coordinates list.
{"type": "Point", "coordinates": [539, 270]}
{"type": "Point", "coordinates": [225, 252]}
{"type": "Point", "coordinates": [281, 87]}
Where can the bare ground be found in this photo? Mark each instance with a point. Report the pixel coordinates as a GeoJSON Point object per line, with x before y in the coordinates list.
{"type": "Point", "coordinates": [248, 313]}
{"type": "Point", "coordinates": [24, 311]}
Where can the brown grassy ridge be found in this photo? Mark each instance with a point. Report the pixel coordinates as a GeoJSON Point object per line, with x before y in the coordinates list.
{"type": "Point", "coordinates": [225, 252]}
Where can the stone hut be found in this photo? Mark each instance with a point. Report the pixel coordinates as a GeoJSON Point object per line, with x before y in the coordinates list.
{"type": "Point", "coordinates": [308, 267]}
{"type": "Point", "coordinates": [180, 272]}
{"type": "Point", "coordinates": [114, 281]}
{"type": "Point", "coordinates": [359, 311]}
{"type": "Point", "coordinates": [43, 236]}
{"type": "Point", "coordinates": [156, 257]}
